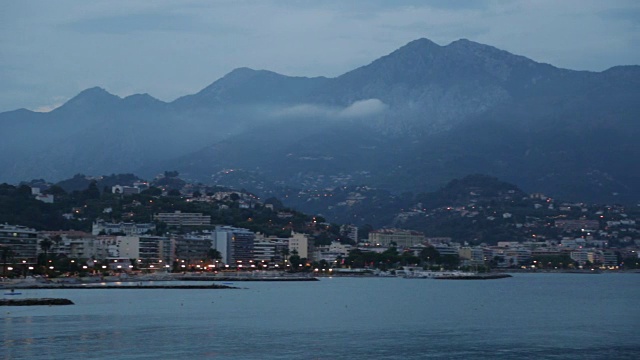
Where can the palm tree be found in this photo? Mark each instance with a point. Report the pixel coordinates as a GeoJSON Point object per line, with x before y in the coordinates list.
{"type": "Point", "coordinates": [45, 245]}
{"type": "Point", "coordinates": [6, 254]}
{"type": "Point", "coordinates": [214, 254]}
{"type": "Point", "coordinates": [285, 257]}
{"type": "Point", "coordinates": [57, 240]}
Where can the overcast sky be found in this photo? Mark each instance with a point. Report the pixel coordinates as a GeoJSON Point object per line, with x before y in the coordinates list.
{"type": "Point", "coordinates": [51, 50]}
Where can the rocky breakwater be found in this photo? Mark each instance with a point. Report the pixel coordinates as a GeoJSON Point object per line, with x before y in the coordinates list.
{"type": "Point", "coordinates": [34, 302]}
{"type": "Point", "coordinates": [473, 277]}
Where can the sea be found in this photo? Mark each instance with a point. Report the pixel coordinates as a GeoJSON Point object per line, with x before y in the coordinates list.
{"type": "Point", "coordinates": [527, 316]}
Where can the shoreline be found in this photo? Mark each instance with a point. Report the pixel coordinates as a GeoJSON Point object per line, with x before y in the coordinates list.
{"type": "Point", "coordinates": [124, 282]}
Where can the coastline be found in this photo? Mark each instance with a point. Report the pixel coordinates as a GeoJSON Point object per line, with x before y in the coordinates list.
{"type": "Point", "coordinates": [145, 281]}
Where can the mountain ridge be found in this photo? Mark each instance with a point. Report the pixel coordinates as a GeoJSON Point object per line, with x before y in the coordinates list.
{"type": "Point", "coordinates": [424, 114]}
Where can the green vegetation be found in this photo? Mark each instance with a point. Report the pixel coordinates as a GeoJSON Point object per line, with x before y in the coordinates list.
{"type": "Point", "coordinates": [78, 209]}
{"type": "Point", "coordinates": [391, 259]}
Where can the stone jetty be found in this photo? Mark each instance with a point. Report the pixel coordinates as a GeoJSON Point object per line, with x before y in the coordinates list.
{"type": "Point", "coordinates": [34, 302]}
{"type": "Point", "coordinates": [121, 286]}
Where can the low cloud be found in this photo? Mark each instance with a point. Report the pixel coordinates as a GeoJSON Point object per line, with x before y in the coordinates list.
{"type": "Point", "coordinates": [358, 109]}
{"type": "Point", "coordinates": [305, 110]}
{"type": "Point", "coordinates": [364, 108]}
{"type": "Point", "coordinates": [47, 108]}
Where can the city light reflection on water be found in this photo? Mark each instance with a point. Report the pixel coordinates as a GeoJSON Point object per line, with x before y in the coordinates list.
{"type": "Point", "coordinates": [527, 316]}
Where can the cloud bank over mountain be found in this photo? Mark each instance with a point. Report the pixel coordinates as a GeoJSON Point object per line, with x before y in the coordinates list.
{"type": "Point", "coordinates": [358, 109]}
{"type": "Point", "coordinates": [364, 108]}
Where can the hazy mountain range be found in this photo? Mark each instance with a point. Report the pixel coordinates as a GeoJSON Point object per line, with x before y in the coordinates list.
{"type": "Point", "coordinates": [409, 121]}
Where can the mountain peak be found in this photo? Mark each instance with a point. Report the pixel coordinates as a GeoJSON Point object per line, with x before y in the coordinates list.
{"type": "Point", "coordinates": [472, 47]}
{"type": "Point", "coordinates": [141, 99]}
{"type": "Point", "coordinates": [95, 91]}
{"type": "Point", "coordinates": [463, 42]}
{"type": "Point", "coordinates": [416, 48]}
{"type": "Point", "coordinates": [242, 74]}
{"type": "Point", "coordinates": [245, 85]}
{"type": "Point", "coordinates": [91, 97]}
{"type": "Point", "coordinates": [242, 71]}
{"type": "Point", "coordinates": [421, 43]}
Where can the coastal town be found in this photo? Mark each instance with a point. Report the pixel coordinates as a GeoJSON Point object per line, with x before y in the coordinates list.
{"type": "Point", "coordinates": [235, 231]}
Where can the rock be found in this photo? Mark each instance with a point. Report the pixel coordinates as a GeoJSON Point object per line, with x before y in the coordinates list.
{"type": "Point", "coordinates": [33, 302]}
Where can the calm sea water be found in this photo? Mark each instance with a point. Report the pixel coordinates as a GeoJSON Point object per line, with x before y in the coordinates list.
{"type": "Point", "coordinates": [529, 316]}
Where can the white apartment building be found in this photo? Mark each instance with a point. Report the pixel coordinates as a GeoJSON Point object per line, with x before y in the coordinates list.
{"type": "Point", "coordinates": [179, 218]}
{"type": "Point", "coordinates": [299, 243]}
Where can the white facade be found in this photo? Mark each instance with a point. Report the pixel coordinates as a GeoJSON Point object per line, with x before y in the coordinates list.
{"type": "Point", "coordinates": [179, 218]}
{"type": "Point", "coordinates": [331, 252]}
{"type": "Point", "coordinates": [299, 243]}
{"type": "Point", "coordinates": [402, 238]}
{"type": "Point", "coordinates": [106, 228]}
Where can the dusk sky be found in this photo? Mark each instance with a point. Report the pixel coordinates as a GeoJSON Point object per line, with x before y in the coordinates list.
{"type": "Point", "coordinates": [51, 50]}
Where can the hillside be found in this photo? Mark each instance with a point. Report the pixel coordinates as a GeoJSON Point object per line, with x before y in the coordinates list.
{"type": "Point", "coordinates": [409, 121]}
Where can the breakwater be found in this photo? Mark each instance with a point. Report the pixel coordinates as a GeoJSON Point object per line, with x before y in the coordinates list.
{"type": "Point", "coordinates": [246, 278]}
{"type": "Point", "coordinates": [122, 286]}
{"type": "Point", "coordinates": [473, 277]}
{"type": "Point", "coordinates": [33, 302]}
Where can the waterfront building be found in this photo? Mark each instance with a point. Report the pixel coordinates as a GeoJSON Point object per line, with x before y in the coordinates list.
{"type": "Point", "coordinates": [193, 248]}
{"type": "Point", "coordinates": [234, 244]}
{"type": "Point", "coordinates": [581, 256]}
{"type": "Point", "coordinates": [402, 238]}
{"type": "Point", "coordinates": [475, 255]}
{"type": "Point", "coordinates": [157, 250]}
{"type": "Point", "coordinates": [299, 243]}
{"type": "Point", "coordinates": [609, 258]}
{"type": "Point", "coordinates": [269, 249]}
{"type": "Point", "coordinates": [150, 251]}
{"type": "Point", "coordinates": [331, 252]}
{"type": "Point", "coordinates": [72, 244]}
{"type": "Point", "coordinates": [510, 256]}
{"type": "Point", "coordinates": [21, 241]}
{"type": "Point", "coordinates": [446, 249]}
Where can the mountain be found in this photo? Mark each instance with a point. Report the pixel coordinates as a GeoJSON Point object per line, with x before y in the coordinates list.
{"type": "Point", "coordinates": [409, 121]}
{"type": "Point", "coordinates": [453, 110]}
{"type": "Point", "coordinates": [244, 86]}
